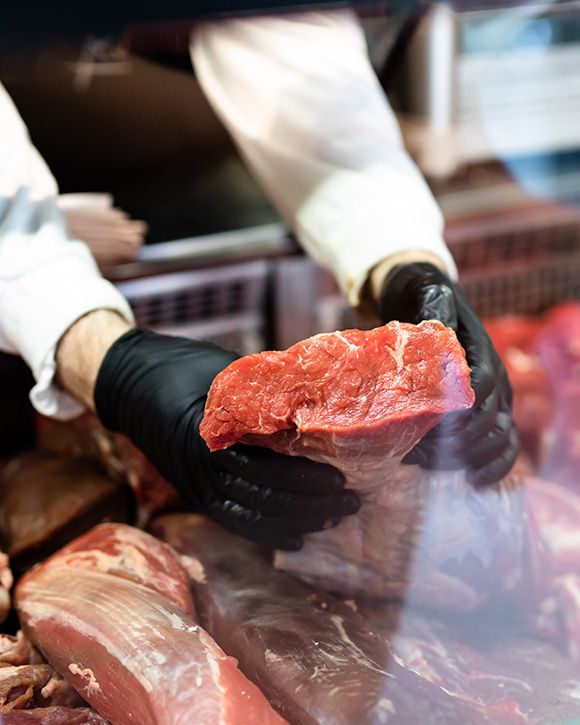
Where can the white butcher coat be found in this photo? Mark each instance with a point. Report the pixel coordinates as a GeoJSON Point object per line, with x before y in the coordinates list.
{"type": "Point", "coordinates": [299, 96]}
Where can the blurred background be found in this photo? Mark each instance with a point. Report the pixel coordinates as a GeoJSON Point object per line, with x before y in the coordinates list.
{"type": "Point", "coordinates": [487, 95]}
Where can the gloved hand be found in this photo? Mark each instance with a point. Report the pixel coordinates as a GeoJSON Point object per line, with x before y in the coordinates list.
{"type": "Point", "coordinates": [153, 389]}
{"type": "Point", "coordinates": [482, 440]}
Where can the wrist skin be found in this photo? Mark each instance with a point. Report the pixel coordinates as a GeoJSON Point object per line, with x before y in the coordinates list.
{"type": "Point", "coordinates": [380, 271]}
{"type": "Point", "coordinates": [81, 351]}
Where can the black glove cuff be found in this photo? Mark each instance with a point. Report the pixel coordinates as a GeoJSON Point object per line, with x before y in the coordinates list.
{"type": "Point", "coordinates": [115, 382]}
{"type": "Point", "coordinates": [418, 291]}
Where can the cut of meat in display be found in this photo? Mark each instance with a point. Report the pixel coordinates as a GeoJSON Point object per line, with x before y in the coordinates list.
{"type": "Point", "coordinates": [514, 339]}
{"type": "Point", "coordinates": [360, 401]}
{"type": "Point", "coordinates": [315, 657]}
{"type": "Point", "coordinates": [86, 437]}
{"type": "Point", "coordinates": [113, 614]}
{"type": "Point", "coordinates": [46, 500]}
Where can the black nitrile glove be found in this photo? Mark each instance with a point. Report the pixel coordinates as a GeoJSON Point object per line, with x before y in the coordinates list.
{"type": "Point", "coordinates": [482, 440]}
{"type": "Point", "coordinates": [153, 389]}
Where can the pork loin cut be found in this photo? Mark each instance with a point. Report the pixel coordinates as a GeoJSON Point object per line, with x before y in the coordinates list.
{"type": "Point", "coordinates": [113, 614]}
{"type": "Point", "coordinates": [360, 401]}
{"type": "Point", "coordinates": [315, 657]}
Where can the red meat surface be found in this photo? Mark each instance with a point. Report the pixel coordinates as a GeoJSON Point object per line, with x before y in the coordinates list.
{"type": "Point", "coordinates": [86, 437]}
{"type": "Point", "coordinates": [314, 656]}
{"type": "Point", "coordinates": [514, 337]}
{"type": "Point", "coordinates": [360, 401]}
{"type": "Point", "coordinates": [107, 616]}
{"type": "Point", "coordinates": [558, 345]}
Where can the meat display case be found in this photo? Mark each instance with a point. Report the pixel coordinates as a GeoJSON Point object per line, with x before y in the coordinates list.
{"type": "Point", "coordinates": [482, 621]}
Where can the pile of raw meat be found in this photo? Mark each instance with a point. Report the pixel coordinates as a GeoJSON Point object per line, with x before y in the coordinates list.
{"type": "Point", "coordinates": [434, 604]}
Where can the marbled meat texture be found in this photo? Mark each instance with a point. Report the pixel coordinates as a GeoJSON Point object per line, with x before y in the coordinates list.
{"type": "Point", "coordinates": [112, 612]}
{"type": "Point", "coordinates": [315, 657]}
{"type": "Point", "coordinates": [360, 401]}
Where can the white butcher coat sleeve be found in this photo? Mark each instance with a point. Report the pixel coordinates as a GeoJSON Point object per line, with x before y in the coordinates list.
{"type": "Point", "coordinates": [46, 281]}
{"type": "Point", "coordinates": [300, 98]}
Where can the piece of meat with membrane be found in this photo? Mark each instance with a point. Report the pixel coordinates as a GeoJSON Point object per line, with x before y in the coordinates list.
{"type": "Point", "coordinates": [360, 401]}
{"type": "Point", "coordinates": [315, 657]}
{"type": "Point", "coordinates": [110, 621]}
{"type": "Point", "coordinates": [126, 552]}
{"type": "Point", "coordinates": [53, 716]}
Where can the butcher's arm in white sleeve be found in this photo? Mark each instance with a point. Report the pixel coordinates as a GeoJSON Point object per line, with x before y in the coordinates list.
{"type": "Point", "coordinates": [301, 100]}
{"type": "Point", "coordinates": [47, 282]}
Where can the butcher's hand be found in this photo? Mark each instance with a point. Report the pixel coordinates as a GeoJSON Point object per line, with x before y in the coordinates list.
{"type": "Point", "coordinates": [482, 440]}
{"type": "Point", "coordinates": [153, 389]}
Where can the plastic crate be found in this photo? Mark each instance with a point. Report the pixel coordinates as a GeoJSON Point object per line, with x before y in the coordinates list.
{"type": "Point", "coordinates": [521, 260]}
{"type": "Point", "coordinates": [225, 305]}
{"type": "Point", "coordinates": [535, 229]}
{"type": "Point", "coordinates": [528, 289]}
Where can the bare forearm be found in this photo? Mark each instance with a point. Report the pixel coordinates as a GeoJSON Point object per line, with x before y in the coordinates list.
{"type": "Point", "coordinates": [82, 349]}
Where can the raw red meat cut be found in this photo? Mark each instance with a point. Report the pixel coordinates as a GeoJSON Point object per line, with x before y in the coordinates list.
{"type": "Point", "coordinates": [485, 660]}
{"type": "Point", "coordinates": [129, 553]}
{"type": "Point", "coordinates": [558, 345]}
{"type": "Point", "coordinates": [361, 401]}
{"type": "Point", "coordinates": [514, 338]}
{"type": "Point", "coordinates": [315, 657]}
{"type": "Point", "coordinates": [107, 616]}
{"type": "Point", "coordinates": [53, 716]}
{"type": "Point", "coordinates": [46, 500]}
{"type": "Point", "coordinates": [86, 437]}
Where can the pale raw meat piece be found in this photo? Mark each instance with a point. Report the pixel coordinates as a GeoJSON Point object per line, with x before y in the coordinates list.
{"type": "Point", "coordinates": [53, 716]}
{"type": "Point", "coordinates": [360, 401]}
{"type": "Point", "coordinates": [129, 553]}
{"type": "Point", "coordinates": [315, 657]}
{"type": "Point", "coordinates": [132, 652]}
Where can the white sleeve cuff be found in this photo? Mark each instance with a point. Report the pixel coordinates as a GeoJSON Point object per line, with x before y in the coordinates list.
{"type": "Point", "coordinates": [38, 308]}
{"type": "Point", "coordinates": [354, 220]}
